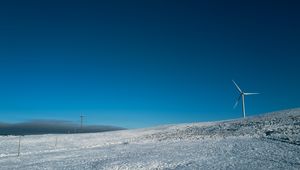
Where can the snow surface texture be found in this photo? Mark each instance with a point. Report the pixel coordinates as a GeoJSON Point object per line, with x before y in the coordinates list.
{"type": "Point", "coordinates": [270, 141]}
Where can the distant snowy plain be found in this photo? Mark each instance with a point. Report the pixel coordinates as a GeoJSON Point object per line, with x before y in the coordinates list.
{"type": "Point", "coordinates": [270, 141]}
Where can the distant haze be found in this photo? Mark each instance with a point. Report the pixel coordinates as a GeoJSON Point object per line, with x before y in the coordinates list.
{"type": "Point", "coordinates": [50, 126]}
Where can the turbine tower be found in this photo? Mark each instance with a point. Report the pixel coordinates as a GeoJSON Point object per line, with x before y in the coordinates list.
{"type": "Point", "coordinates": [242, 95]}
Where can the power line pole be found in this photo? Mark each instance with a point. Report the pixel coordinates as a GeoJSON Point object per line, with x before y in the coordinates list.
{"type": "Point", "coordinates": [55, 142]}
{"type": "Point", "coordinates": [19, 146]}
{"type": "Point", "coordinates": [81, 121]}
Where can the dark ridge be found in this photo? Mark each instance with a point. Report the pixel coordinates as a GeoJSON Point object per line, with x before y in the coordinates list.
{"type": "Point", "coordinates": [36, 127]}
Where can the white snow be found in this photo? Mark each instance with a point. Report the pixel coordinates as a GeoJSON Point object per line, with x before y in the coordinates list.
{"type": "Point", "coordinates": [270, 141]}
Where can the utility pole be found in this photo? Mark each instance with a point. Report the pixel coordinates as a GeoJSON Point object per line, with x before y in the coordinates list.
{"type": "Point", "coordinates": [81, 122]}
{"type": "Point", "coordinates": [55, 142]}
{"type": "Point", "coordinates": [19, 146]}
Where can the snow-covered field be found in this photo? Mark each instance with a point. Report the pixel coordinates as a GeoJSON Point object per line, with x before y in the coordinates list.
{"type": "Point", "coordinates": [270, 141]}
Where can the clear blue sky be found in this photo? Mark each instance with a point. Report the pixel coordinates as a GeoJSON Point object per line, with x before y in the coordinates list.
{"type": "Point", "coordinates": [144, 63]}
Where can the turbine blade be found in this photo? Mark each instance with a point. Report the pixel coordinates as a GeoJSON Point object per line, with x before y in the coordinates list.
{"type": "Point", "coordinates": [237, 101]}
{"type": "Point", "coordinates": [248, 94]}
{"type": "Point", "coordinates": [235, 105]}
{"type": "Point", "coordinates": [237, 86]}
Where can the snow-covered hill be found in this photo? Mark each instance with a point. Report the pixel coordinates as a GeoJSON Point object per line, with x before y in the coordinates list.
{"type": "Point", "coordinates": [270, 141]}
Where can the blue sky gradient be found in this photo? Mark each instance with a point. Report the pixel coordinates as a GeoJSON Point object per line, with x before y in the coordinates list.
{"type": "Point", "coordinates": [144, 63]}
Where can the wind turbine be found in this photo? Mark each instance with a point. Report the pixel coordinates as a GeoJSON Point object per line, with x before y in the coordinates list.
{"type": "Point", "coordinates": [242, 95]}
